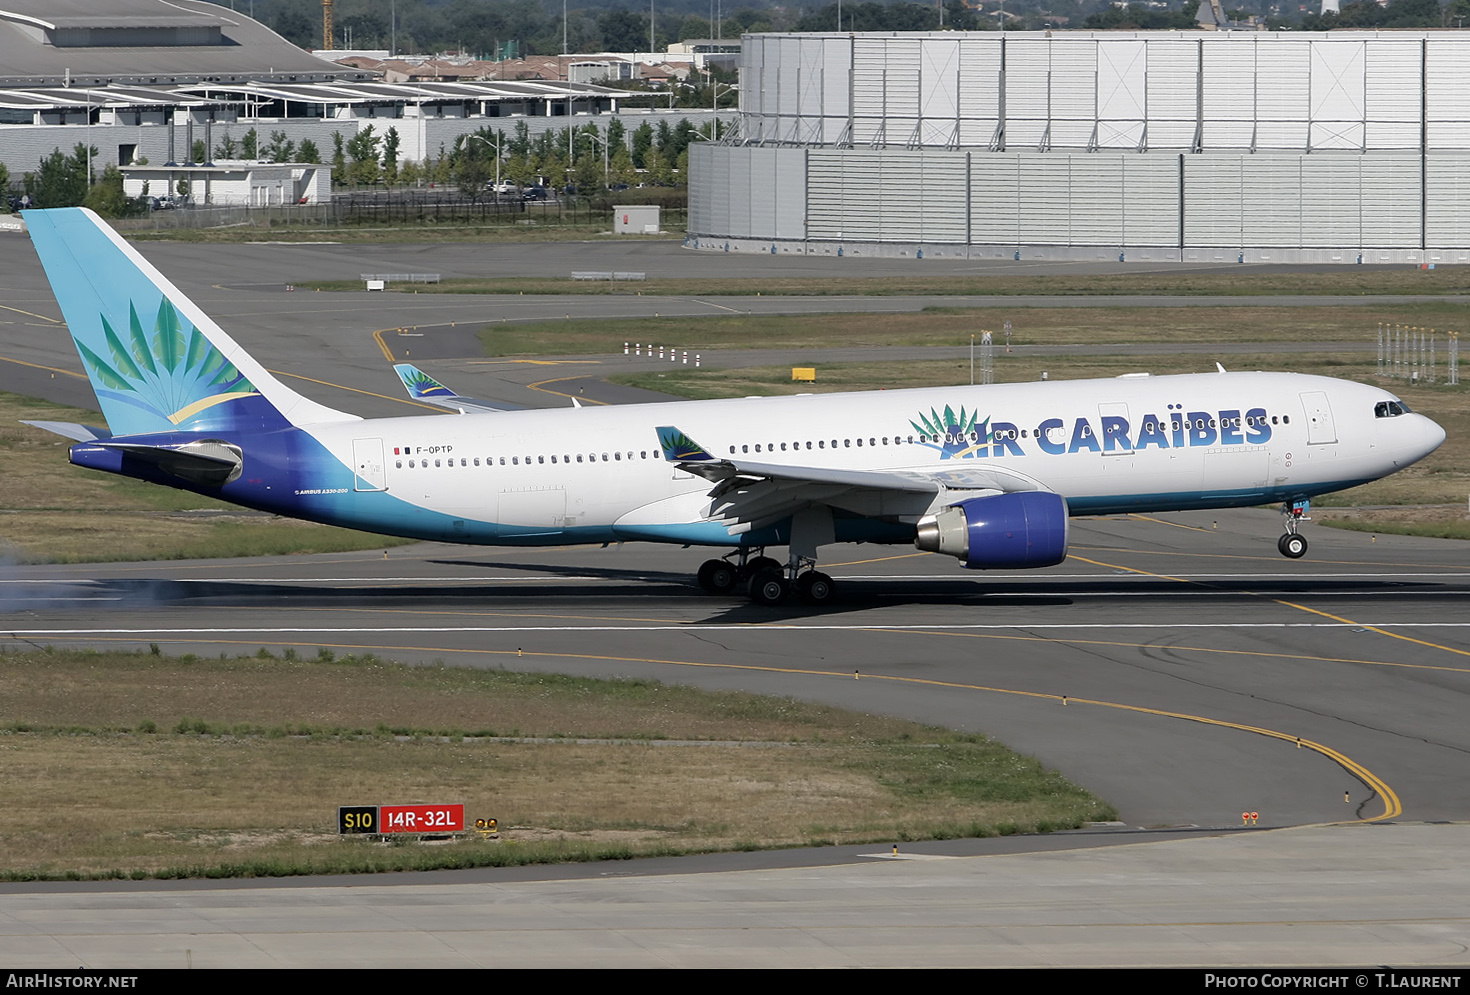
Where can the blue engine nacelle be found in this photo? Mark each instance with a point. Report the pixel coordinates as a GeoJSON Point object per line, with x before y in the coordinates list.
{"type": "Point", "coordinates": [1003, 531]}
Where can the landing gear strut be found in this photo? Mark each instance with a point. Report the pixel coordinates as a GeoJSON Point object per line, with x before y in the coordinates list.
{"type": "Point", "coordinates": [1293, 544]}
{"type": "Point", "coordinates": [723, 576]}
{"type": "Point", "coordinates": [772, 585]}
{"type": "Point", "coordinates": [766, 581]}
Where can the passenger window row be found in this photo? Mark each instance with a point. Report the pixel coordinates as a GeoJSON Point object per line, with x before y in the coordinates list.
{"type": "Point", "coordinates": [873, 441]}
{"type": "Point", "coordinates": [974, 436]}
{"type": "Point", "coordinates": [466, 461]}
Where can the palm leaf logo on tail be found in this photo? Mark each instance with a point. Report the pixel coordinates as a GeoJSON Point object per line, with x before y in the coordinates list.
{"type": "Point", "coordinates": [175, 374]}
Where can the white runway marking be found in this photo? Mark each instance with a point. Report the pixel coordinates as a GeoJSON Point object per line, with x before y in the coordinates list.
{"type": "Point", "coordinates": [746, 627]}
{"type": "Point", "coordinates": [1031, 577]}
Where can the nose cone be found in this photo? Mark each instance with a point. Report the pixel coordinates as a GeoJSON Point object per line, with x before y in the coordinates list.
{"type": "Point", "coordinates": [1433, 436]}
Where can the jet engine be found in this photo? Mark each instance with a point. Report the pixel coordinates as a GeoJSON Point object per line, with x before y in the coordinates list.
{"type": "Point", "coordinates": [1003, 531]}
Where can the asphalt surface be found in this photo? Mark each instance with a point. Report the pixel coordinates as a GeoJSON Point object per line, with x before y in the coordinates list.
{"type": "Point", "coordinates": [324, 343]}
{"type": "Point", "coordinates": [1169, 665]}
{"type": "Point", "coordinates": [1175, 665]}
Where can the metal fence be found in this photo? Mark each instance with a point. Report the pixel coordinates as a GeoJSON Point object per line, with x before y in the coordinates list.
{"type": "Point", "coordinates": [381, 209]}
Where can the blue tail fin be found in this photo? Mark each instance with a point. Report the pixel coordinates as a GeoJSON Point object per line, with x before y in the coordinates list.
{"type": "Point", "coordinates": [419, 384]}
{"type": "Point", "coordinates": [679, 448]}
{"type": "Point", "coordinates": [157, 362]}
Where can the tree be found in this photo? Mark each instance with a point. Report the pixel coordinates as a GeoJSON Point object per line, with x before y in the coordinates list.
{"type": "Point", "coordinates": [623, 31]}
{"type": "Point", "coordinates": [587, 173]}
{"type": "Point", "coordinates": [642, 142]}
{"type": "Point", "coordinates": [391, 142]}
{"type": "Point", "coordinates": [226, 149]}
{"type": "Point", "coordinates": [520, 142]}
{"type": "Point", "coordinates": [620, 168]}
{"type": "Point", "coordinates": [617, 132]}
{"type": "Point", "coordinates": [279, 149]}
{"type": "Point", "coordinates": [339, 161]}
{"type": "Point", "coordinates": [250, 147]}
{"type": "Point", "coordinates": [518, 170]}
{"type": "Point", "coordinates": [297, 26]}
{"type": "Point", "coordinates": [60, 180]}
{"type": "Point", "coordinates": [106, 195]}
{"type": "Point", "coordinates": [363, 150]}
{"type": "Point", "coordinates": [308, 152]}
{"type": "Point", "coordinates": [198, 151]}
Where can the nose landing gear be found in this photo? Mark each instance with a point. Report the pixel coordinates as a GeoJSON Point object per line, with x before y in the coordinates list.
{"type": "Point", "coordinates": [1293, 544]}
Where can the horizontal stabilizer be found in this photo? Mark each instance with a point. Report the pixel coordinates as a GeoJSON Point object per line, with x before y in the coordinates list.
{"type": "Point", "coordinates": [71, 430]}
{"type": "Point", "coordinates": [422, 387]}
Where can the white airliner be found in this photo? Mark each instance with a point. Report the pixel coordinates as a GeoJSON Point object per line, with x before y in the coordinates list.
{"type": "Point", "coordinates": [986, 474]}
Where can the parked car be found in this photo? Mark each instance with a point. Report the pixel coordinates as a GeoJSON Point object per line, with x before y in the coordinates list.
{"type": "Point", "coordinates": [534, 193]}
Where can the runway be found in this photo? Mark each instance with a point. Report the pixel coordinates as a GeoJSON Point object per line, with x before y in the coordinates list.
{"type": "Point", "coordinates": [1169, 665]}
{"type": "Point", "coordinates": [1348, 896]}
{"type": "Point", "coordinates": [1176, 665]}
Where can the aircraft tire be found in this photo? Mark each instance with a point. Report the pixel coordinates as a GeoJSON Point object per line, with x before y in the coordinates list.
{"type": "Point", "coordinates": [760, 565]}
{"type": "Point", "coordinates": [1293, 545]}
{"type": "Point", "coordinates": [718, 576]}
{"type": "Point", "coordinates": [815, 588]}
{"type": "Point", "coordinates": [768, 588]}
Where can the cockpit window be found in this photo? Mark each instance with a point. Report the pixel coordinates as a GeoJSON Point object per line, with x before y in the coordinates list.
{"type": "Point", "coordinates": [1390, 409]}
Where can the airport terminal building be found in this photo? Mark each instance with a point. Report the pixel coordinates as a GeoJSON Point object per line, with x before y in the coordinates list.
{"type": "Point", "coordinates": [145, 79]}
{"type": "Point", "coordinates": [1348, 146]}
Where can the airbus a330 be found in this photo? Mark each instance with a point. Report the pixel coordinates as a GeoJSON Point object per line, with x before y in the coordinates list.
{"type": "Point", "coordinates": [987, 474]}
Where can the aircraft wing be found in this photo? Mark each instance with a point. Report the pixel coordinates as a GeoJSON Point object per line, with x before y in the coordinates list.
{"type": "Point", "coordinates": [422, 387]}
{"type": "Point", "coordinates": [749, 495]}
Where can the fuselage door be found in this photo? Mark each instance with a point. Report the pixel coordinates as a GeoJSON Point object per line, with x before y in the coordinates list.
{"type": "Point", "coordinates": [1113, 420]}
{"type": "Point", "coordinates": [370, 472]}
{"type": "Point", "coordinates": [1320, 429]}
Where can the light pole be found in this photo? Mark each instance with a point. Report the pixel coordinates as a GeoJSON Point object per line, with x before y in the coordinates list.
{"type": "Point", "coordinates": [496, 147]}
{"type": "Point", "coordinates": [603, 142]}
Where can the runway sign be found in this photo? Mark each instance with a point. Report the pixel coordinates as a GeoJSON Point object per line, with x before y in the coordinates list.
{"type": "Point", "coordinates": [421, 819]}
{"type": "Point", "coordinates": [357, 819]}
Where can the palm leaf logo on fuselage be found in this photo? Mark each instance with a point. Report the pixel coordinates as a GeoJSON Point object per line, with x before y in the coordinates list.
{"type": "Point", "coordinates": [953, 436]}
{"type": "Point", "coordinates": [176, 374]}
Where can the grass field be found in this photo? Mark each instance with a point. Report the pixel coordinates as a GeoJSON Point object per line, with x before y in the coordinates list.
{"type": "Point", "coordinates": [1350, 281]}
{"type": "Point", "coordinates": [953, 327]}
{"type": "Point", "coordinates": [53, 512]}
{"type": "Point", "coordinates": [142, 765]}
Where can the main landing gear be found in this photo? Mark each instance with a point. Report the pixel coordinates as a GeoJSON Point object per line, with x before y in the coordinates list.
{"type": "Point", "coordinates": [765, 580]}
{"type": "Point", "coordinates": [1293, 544]}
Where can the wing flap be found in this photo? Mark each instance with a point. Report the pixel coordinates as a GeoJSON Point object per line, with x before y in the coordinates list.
{"type": "Point", "coordinates": [749, 495]}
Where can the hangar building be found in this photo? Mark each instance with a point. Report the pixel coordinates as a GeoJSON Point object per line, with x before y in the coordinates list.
{"type": "Point", "coordinates": [1348, 146]}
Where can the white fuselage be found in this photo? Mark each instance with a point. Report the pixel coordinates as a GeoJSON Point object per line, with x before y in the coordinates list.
{"type": "Point", "coordinates": [1130, 443]}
